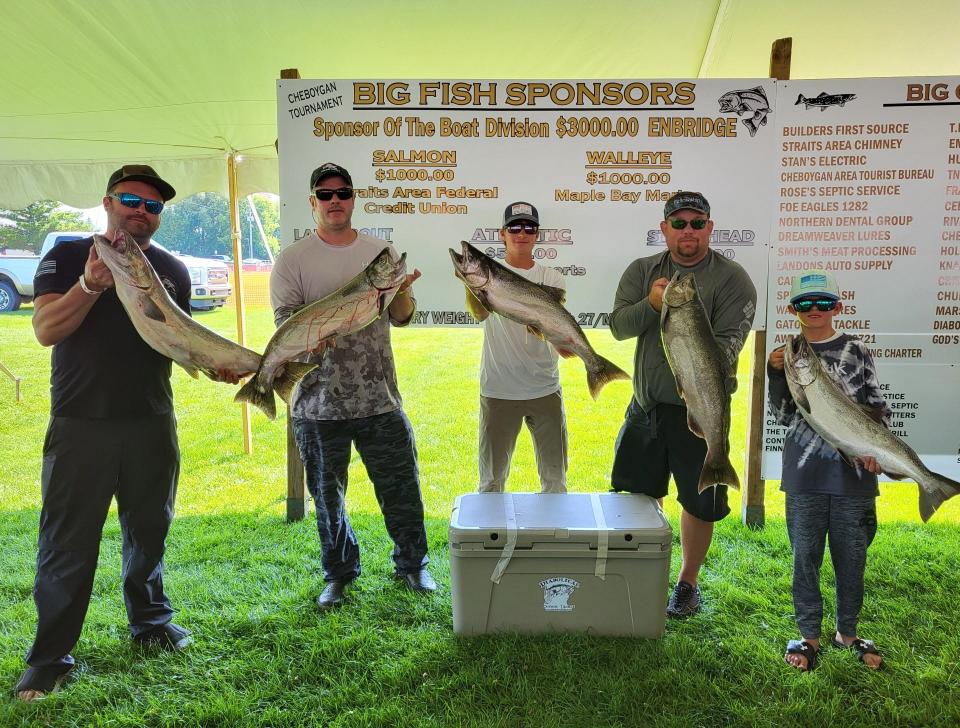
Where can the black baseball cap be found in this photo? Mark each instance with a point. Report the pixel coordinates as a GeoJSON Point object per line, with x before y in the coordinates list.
{"type": "Point", "coordinates": [329, 169]}
{"type": "Point", "coordinates": [520, 211]}
{"type": "Point", "coordinates": [142, 173]}
{"type": "Point", "coordinates": [686, 201]}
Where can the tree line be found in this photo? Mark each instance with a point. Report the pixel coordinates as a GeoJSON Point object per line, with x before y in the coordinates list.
{"type": "Point", "coordinates": [198, 225]}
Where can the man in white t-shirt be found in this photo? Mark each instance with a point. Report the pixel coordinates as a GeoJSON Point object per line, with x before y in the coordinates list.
{"type": "Point", "coordinates": [519, 377]}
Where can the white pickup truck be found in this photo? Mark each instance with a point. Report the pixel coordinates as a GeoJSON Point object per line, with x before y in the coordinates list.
{"type": "Point", "coordinates": [209, 279]}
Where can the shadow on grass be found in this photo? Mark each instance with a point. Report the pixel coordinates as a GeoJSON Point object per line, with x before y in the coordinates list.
{"type": "Point", "coordinates": [245, 583]}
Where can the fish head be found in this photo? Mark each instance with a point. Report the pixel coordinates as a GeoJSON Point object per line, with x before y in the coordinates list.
{"type": "Point", "coordinates": [471, 266]}
{"type": "Point", "coordinates": [800, 362]}
{"type": "Point", "coordinates": [126, 261]}
{"type": "Point", "coordinates": [385, 272]}
{"type": "Point", "coordinates": [730, 101]}
{"type": "Point", "coordinates": [681, 290]}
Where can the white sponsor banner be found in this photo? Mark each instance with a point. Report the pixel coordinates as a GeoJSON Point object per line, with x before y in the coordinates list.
{"type": "Point", "coordinates": [868, 186]}
{"type": "Point", "coordinates": [435, 162]}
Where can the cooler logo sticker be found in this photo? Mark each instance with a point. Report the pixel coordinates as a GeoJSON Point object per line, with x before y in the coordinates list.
{"type": "Point", "coordinates": [556, 593]}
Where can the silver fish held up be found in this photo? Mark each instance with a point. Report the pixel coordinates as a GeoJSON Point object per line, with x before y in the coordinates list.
{"type": "Point", "coordinates": [161, 322]}
{"type": "Point", "coordinates": [358, 303]}
{"type": "Point", "coordinates": [851, 429]}
{"type": "Point", "coordinates": [539, 308]}
{"type": "Point", "coordinates": [704, 379]}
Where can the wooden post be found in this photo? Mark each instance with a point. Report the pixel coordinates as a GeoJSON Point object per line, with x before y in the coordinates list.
{"type": "Point", "coordinates": [238, 285]}
{"type": "Point", "coordinates": [751, 508]}
{"type": "Point", "coordinates": [296, 495]}
{"type": "Point", "coordinates": [16, 380]}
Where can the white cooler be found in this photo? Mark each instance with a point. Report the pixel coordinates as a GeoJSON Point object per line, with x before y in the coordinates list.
{"type": "Point", "coordinates": [574, 562]}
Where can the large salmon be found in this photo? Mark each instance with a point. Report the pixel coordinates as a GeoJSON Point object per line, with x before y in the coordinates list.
{"type": "Point", "coordinates": [703, 376]}
{"type": "Point", "coordinates": [359, 302]}
{"type": "Point", "coordinates": [851, 429]}
{"type": "Point", "coordinates": [502, 291]}
{"type": "Point", "coordinates": [162, 323]}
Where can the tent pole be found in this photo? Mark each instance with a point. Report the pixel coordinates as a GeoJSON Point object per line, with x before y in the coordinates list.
{"type": "Point", "coordinates": [238, 285]}
{"type": "Point", "coordinates": [296, 493]}
{"type": "Point", "coordinates": [751, 504]}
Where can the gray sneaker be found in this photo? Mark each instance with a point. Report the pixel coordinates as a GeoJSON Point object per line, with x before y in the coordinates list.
{"type": "Point", "coordinates": [684, 601]}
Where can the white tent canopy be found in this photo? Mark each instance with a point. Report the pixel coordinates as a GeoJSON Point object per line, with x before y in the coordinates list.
{"type": "Point", "coordinates": [87, 85]}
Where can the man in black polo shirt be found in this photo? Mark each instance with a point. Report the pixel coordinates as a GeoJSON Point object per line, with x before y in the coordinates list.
{"type": "Point", "coordinates": [112, 432]}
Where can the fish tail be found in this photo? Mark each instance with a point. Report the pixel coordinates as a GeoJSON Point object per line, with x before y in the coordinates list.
{"type": "Point", "coordinates": [249, 392]}
{"type": "Point", "coordinates": [602, 372]}
{"type": "Point", "coordinates": [799, 100]}
{"type": "Point", "coordinates": [293, 372]}
{"type": "Point", "coordinates": [934, 490]}
{"type": "Point", "coordinates": [718, 473]}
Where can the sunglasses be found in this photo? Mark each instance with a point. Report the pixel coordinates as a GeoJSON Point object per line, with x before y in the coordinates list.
{"type": "Point", "coordinates": [527, 227]}
{"type": "Point", "coordinates": [697, 224]}
{"type": "Point", "coordinates": [342, 193]}
{"type": "Point", "coordinates": [128, 199]}
{"type": "Point", "coordinates": [822, 304]}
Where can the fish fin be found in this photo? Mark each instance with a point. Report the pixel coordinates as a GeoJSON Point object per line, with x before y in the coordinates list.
{"type": "Point", "coordinates": [249, 392]}
{"type": "Point", "coordinates": [939, 488]}
{"type": "Point", "coordinates": [566, 353]}
{"type": "Point", "coordinates": [694, 426]}
{"type": "Point", "coordinates": [874, 413]}
{"type": "Point", "coordinates": [718, 474]}
{"type": "Point", "coordinates": [150, 309]}
{"type": "Point", "coordinates": [293, 372]}
{"type": "Point", "coordinates": [895, 476]}
{"type": "Point", "coordinates": [557, 294]}
{"type": "Point", "coordinates": [481, 296]}
{"type": "Point", "coordinates": [679, 386]}
{"type": "Point", "coordinates": [535, 331]}
{"type": "Point", "coordinates": [192, 371]}
{"type": "Point", "coordinates": [849, 460]}
{"type": "Point", "coordinates": [603, 372]}
{"type": "Point", "coordinates": [801, 400]}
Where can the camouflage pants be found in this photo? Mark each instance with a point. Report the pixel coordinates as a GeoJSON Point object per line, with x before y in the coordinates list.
{"type": "Point", "coordinates": [387, 448]}
{"type": "Point", "coordinates": [848, 524]}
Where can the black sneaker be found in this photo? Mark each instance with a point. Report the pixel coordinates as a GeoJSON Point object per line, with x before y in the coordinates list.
{"type": "Point", "coordinates": [169, 636]}
{"type": "Point", "coordinates": [684, 601]}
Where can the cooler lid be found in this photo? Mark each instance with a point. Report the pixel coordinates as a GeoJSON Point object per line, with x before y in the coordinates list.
{"type": "Point", "coordinates": [627, 520]}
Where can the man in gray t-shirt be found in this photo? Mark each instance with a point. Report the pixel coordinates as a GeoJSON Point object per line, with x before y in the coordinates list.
{"type": "Point", "coordinates": [655, 441]}
{"type": "Point", "coordinates": [351, 399]}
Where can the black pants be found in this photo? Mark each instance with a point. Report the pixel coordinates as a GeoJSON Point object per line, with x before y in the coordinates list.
{"type": "Point", "coordinates": [85, 464]}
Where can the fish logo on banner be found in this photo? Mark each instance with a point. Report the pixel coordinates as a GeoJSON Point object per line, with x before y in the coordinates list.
{"type": "Point", "coordinates": [750, 101]}
{"type": "Point", "coordinates": [557, 592]}
{"type": "Point", "coordinates": [824, 100]}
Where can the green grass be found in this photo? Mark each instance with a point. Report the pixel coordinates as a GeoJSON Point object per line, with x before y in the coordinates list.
{"type": "Point", "coordinates": [244, 582]}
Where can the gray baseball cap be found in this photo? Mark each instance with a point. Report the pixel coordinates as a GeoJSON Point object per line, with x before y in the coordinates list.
{"type": "Point", "coordinates": [520, 211]}
{"type": "Point", "coordinates": [686, 201]}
